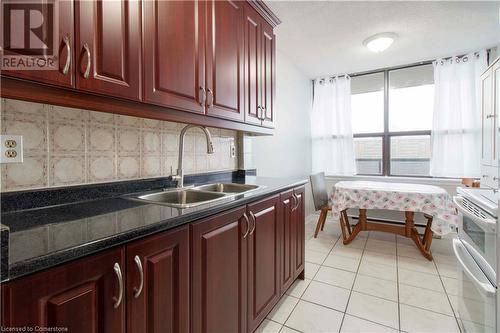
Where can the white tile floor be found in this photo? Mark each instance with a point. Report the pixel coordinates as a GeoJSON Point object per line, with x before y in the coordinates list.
{"type": "Point", "coordinates": [378, 283]}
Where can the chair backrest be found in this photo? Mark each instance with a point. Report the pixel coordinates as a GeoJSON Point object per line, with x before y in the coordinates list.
{"type": "Point", "coordinates": [319, 191]}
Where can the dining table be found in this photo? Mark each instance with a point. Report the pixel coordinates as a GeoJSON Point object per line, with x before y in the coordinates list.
{"type": "Point", "coordinates": [433, 202]}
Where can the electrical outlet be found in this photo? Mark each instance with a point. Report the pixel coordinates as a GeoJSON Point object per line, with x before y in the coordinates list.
{"type": "Point", "coordinates": [11, 148]}
{"type": "Point", "coordinates": [232, 150]}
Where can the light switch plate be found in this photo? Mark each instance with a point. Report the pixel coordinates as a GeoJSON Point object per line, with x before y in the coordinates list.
{"type": "Point", "coordinates": [11, 148]}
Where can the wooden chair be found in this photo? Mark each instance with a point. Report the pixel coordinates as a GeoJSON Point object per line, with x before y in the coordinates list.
{"type": "Point", "coordinates": [320, 198]}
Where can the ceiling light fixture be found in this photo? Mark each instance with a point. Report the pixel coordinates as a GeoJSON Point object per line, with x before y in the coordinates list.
{"type": "Point", "coordinates": [380, 42]}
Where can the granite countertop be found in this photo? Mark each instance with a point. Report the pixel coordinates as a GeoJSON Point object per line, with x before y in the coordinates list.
{"type": "Point", "coordinates": [43, 237]}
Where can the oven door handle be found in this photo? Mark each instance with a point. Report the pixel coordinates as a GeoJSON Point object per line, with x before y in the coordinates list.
{"type": "Point", "coordinates": [458, 202]}
{"type": "Point", "coordinates": [487, 288]}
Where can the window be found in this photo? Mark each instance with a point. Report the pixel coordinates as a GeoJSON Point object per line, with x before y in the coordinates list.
{"type": "Point", "coordinates": [392, 121]}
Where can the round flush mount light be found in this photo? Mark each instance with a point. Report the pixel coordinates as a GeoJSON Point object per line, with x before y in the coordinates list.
{"type": "Point", "coordinates": [380, 42]}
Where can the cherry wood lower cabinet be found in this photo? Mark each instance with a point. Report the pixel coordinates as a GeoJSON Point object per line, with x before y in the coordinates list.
{"type": "Point", "coordinates": [263, 259]}
{"type": "Point", "coordinates": [158, 283]}
{"type": "Point", "coordinates": [299, 243]}
{"type": "Point", "coordinates": [219, 272]}
{"type": "Point", "coordinates": [292, 244]}
{"type": "Point", "coordinates": [84, 296]}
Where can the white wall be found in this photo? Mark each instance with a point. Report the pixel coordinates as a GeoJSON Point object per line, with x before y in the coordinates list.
{"type": "Point", "coordinates": [288, 152]}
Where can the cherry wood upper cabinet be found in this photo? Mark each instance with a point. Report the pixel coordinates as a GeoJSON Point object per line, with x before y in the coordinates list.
{"type": "Point", "coordinates": [259, 69]}
{"type": "Point", "coordinates": [224, 58]}
{"type": "Point", "coordinates": [252, 69]}
{"type": "Point", "coordinates": [174, 63]}
{"type": "Point", "coordinates": [219, 273]}
{"type": "Point", "coordinates": [64, 47]}
{"type": "Point", "coordinates": [263, 259]}
{"type": "Point", "coordinates": [268, 79]}
{"type": "Point", "coordinates": [84, 296]}
{"type": "Point", "coordinates": [108, 47]}
{"type": "Point", "coordinates": [158, 283]}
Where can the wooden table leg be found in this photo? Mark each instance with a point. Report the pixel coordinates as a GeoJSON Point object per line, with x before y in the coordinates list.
{"type": "Point", "coordinates": [357, 228]}
{"type": "Point", "coordinates": [348, 225]}
{"type": "Point", "coordinates": [409, 223]}
{"type": "Point", "coordinates": [428, 233]}
{"type": "Point", "coordinates": [413, 234]}
{"type": "Point", "coordinates": [362, 218]}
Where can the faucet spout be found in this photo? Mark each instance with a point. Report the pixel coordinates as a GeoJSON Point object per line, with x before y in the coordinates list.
{"type": "Point", "coordinates": [210, 150]}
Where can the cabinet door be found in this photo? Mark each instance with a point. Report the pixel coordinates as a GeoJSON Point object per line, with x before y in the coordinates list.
{"type": "Point", "coordinates": [108, 47]}
{"type": "Point", "coordinates": [64, 74]}
{"type": "Point", "coordinates": [288, 240]}
{"type": "Point", "coordinates": [252, 70]}
{"type": "Point", "coordinates": [158, 283]}
{"type": "Point", "coordinates": [174, 64]}
{"type": "Point", "coordinates": [487, 119]}
{"type": "Point", "coordinates": [80, 296]}
{"type": "Point", "coordinates": [219, 273]}
{"type": "Point", "coordinates": [496, 110]}
{"type": "Point", "coordinates": [299, 219]}
{"type": "Point", "coordinates": [263, 259]}
{"type": "Point", "coordinates": [224, 58]}
{"type": "Point", "coordinates": [268, 75]}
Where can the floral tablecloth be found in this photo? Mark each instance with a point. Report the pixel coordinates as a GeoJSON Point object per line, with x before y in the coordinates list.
{"type": "Point", "coordinates": [431, 200]}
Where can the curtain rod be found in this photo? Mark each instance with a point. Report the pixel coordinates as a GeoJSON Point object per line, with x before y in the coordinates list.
{"type": "Point", "coordinates": [420, 63]}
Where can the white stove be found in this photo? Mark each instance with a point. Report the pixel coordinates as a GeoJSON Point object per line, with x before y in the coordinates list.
{"type": "Point", "coordinates": [476, 252]}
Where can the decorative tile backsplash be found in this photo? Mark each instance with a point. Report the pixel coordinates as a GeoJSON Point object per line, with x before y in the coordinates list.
{"type": "Point", "coordinates": [66, 146]}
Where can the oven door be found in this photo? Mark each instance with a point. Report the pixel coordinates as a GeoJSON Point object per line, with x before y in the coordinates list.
{"type": "Point", "coordinates": [476, 230]}
{"type": "Point", "coordinates": [476, 299]}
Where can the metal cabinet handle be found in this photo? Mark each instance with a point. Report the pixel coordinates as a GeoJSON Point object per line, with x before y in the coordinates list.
{"type": "Point", "coordinates": [254, 220]}
{"type": "Point", "coordinates": [263, 117]}
{"type": "Point", "coordinates": [203, 96]}
{"type": "Point", "coordinates": [491, 116]}
{"type": "Point", "coordinates": [211, 100]}
{"type": "Point", "coordinates": [138, 263]}
{"type": "Point", "coordinates": [297, 201]}
{"type": "Point", "coordinates": [87, 69]}
{"type": "Point", "coordinates": [67, 45]}
{"type": "Point", "coordinates": [248, 225]}
{"type": "Point", "coordinates": [485, 176]}
{"type": "Point", "coordinates": [294, 202]}
{"type": "Point", "coordinates": [259, 112]}
{"type": "Point", "coordinates": [118, 272]}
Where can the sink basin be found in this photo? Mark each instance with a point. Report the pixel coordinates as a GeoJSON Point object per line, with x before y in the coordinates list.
{"type": "Point", "coordinates": [182, 198]}
{"type": "Point", "coordinates": [227, 188]}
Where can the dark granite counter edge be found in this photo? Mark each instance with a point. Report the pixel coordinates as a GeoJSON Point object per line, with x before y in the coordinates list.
{"type": "Point", "coordinates": [27, 267]}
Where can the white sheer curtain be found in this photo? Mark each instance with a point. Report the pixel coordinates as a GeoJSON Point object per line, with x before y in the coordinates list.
{"type": "Point", "coordinates": [331, 127]}
{"type": "Point", "coordinates": [456, 128]}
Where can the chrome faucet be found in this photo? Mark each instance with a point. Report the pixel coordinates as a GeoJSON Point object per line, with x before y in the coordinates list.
{"type": "Point", "coordinates": [210, 150]}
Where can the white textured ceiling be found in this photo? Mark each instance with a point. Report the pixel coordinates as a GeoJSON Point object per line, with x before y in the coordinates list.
{"type": "Point", "coordinates": [325, 37]}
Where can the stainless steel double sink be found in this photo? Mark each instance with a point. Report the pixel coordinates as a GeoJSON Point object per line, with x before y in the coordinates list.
{"type": "Point", "coordinates": [195, 196]}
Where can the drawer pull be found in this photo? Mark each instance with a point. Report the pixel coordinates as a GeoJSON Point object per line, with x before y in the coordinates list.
{"type": "Point", "coordinates": [203, 96]}
{"type": "Point", "coordinates": [138, 263]}
{"type": "Point", "coordinates": [248, 225]}
{"type": "Point", "coordinates": [211, 100]}
{"type": "Point", "coordinates": [118, 300]}
{"type": "Point", "coordinates": [254, 221]}
{"type": "Point", "coordinates": [67, 45]}
{"type": "Point", "coordinates": [87, 69]}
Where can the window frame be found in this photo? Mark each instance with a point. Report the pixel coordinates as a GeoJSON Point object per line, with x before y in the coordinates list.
{"type": "Point", "coordinates": [386, 134]}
